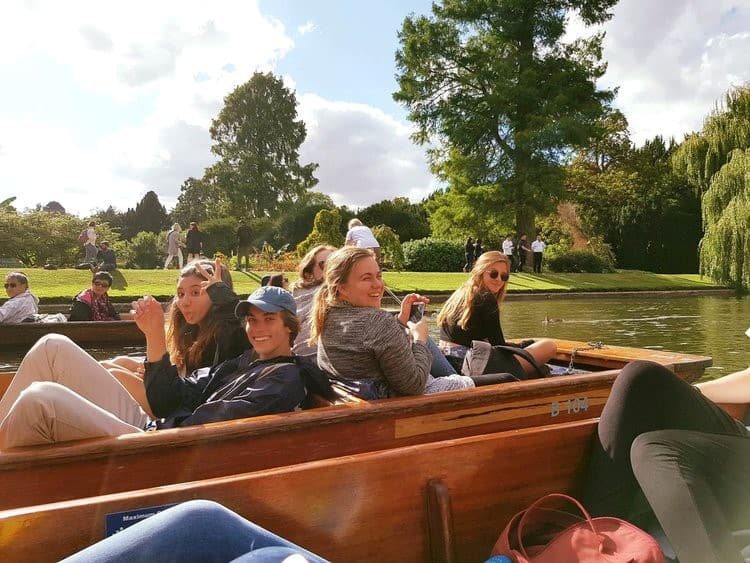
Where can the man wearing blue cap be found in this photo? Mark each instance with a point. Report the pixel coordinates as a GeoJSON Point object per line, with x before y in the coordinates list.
{"type": "Point", "coordinates": [267, 379]}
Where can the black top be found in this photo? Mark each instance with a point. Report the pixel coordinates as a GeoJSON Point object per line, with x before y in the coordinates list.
{"type": "Point", "coordinates": [484, 324]}
{"type": "Point", "coordinates": [244, 236]}
{"type": "Point", "coordinates": [194, 241]}
{"type": "Point", "coordinates": [238, 388]}
{"type": "Point", "coordinates": [478, 250]}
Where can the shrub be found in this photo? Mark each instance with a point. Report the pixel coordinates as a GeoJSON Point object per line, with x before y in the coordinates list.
{"type": "Point", "coordinates": [390, 247]}
{"type": "Point", "coordinates": [578, 261]}
{"type": "Point", "coordinates": [326, 230]}
{"type": "Point", "coordinates": [147, 250]}
{"type": "Point", "coordinates": [433, 255]}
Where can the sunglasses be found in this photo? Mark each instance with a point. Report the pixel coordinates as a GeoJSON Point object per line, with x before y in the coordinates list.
{"type": "Point", "coordinates": [321, 264]}
{"type": "Point", "coordinates": [101, 284]}
{"type": "Point", "coordinates": [7, 285]}
{"type": "Point", "coordinates": [505, 276]}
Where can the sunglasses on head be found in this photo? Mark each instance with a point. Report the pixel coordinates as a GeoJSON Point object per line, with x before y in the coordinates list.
{"type": "Point", "coordinates": [98, 283]}
{"type": "Point", "coordinates": [321, 264]}
{"type": "Point", "coordinates": [505, 276]}
{"type": "Point", "coordinates": [11, 284]}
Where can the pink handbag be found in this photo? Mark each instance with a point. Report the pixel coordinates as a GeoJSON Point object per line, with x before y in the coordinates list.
{"type": "Point", "coordinates": [546, 535]}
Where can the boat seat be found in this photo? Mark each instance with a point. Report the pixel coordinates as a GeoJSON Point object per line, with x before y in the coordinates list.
{"type": "Point", "coordinates": [343, 397]}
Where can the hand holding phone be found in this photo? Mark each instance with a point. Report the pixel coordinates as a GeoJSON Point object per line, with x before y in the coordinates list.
{"type": "Point", "coordinates": [416, 313]}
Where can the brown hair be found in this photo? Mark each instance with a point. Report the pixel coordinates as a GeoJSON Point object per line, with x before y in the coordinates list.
{"type": "Point", "coordinates": [459, 304]}
{"type": "Point", "coordinates": [307, 265]}
{"type": "Point", "coordinates": [338, 267]}
{"type": "Point", "coordinates": [185, 346]}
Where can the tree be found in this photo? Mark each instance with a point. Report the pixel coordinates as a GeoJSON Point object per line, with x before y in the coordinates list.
{"type": "Point", "coordinates": [295, 220]}
{"type": "Point", "coordinates": [491, 84]}
{"type": "Point", "coordinates": [53, 207]}
{"type": "Point", "coordinates": [407, 219]}
{"type": "Point", "coordinates": [148, 216]}
{"type": "Point", "coordinates": [199, 200]}
{"type": "Point", "coordinates": [326, 230]}
{"type": "Point", "coordinates": [257, 138]}
{"type": "Point", "coordinates": [716, 162]}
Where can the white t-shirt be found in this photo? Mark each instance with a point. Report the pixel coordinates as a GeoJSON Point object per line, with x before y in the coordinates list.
{"type": "Point", "coordinates": [538, 246]}
{"type": "Point", "coordinates": [508, 247]}
{"type": "Point", "coordinates": [91, 234]}
{"type": "Point", "coordinates": [362, 236]}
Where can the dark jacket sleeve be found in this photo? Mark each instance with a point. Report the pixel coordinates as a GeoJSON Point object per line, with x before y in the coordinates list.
{"type": "Point", "coordinates": [278, 392]}
{"type": "Point", "coordinates": [168, 393]}
{"type": "Point", "coordinates": [231, 338]}
{"type": "Point", "coordinates": [80, 311]}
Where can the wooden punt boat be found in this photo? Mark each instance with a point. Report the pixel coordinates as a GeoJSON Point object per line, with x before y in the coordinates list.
{"type": "Point", "coordinates": [24, 335]}
{"type": "Point", "coordinates": [443, 501]}
{"type": "Point", "coordinates": [108, 465]}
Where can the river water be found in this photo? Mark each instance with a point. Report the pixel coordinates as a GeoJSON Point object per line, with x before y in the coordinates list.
{"type": "Point", "coordinates": [708, 325]}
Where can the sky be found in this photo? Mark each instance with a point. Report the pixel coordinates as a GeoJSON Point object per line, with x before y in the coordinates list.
{"type": "Point", "coordinates": [102, 102]}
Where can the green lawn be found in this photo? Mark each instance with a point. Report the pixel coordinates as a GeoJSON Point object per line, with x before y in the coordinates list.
{"type": "Point", "coordinates": [62, 285]}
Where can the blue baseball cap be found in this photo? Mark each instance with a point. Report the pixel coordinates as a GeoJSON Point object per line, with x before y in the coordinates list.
{"type": "Point", "coordinates": [270, 299]}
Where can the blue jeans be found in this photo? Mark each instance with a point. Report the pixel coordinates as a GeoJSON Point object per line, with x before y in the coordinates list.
{"type": "Point", "coordinates": [197, 530]}
{"type": "Point", "coordinates": [440, 366]}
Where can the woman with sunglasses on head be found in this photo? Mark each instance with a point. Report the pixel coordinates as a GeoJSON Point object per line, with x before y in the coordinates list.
{"type": "Point", "coordinates": [473, 312]}
{"type": "Point", "coordinates": [311, 273]}
{"type": "Point", "coordinates": [93, 304]}
{"type": "Point", "coordinates": [21, 303]}
{"type": "Point", "coordinates": [201, 330]}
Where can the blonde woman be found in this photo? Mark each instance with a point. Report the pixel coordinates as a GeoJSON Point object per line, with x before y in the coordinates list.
{"type": "Point", "coordinates": [473, 312]}
{"type": "Point", "coordinates": [310, 277]}
{"type": "Point", "coordinates": [367, 349]}
{"type": "Point", "coordinates": [174, 246]}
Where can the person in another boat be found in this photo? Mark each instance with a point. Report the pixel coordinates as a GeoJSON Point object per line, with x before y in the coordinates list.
{"type": "Point", "coordinates": [93, 304]}
{"type": "Point", "coordinates": [310, 277]}
{"type": "Point", "coordinates": [196, 530]}
{"type": "Point", "coordinates": [473, 313]}
{"type": "Point", "coordinates": [201, 331]}
{"type": "Point", "coordinates": [21, 305]}
{"type": "Point", "coordinates": [61, 393]}
{"type": "Point", "coordinates": [661, 437]}
{"type": "Point", "coordinates": [368, 350]}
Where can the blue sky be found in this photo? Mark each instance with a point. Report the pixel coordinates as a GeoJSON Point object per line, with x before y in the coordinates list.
{"type": "Point", "coordinates": [101, 103]}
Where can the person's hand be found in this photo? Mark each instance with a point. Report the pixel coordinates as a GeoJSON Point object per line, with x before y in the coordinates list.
{"type": "Point", "coordinates": [419, 331]}
{"type": "Point", "coordinates": [148, 316]}
{"type": "Point", "coordinates": [406, 304]}
{"type": "Point", "coordinates": [209, 279]}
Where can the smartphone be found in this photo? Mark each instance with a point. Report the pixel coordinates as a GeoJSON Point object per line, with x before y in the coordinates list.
{"type": "Point", "coordinates": [417, 312]}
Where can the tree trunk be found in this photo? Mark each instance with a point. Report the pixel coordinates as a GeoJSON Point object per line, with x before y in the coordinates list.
{"type": "Point", "coordinates": [525, 217]}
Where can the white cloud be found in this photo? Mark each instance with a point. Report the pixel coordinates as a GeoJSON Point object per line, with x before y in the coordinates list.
{"type": "Point", "coordinates": [307, 27]}
{"type": "Point", "coordinates": [365, 155]}
{"type": "Point", "coordinates": [673, 61]}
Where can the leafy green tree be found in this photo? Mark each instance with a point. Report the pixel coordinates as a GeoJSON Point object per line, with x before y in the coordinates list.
{"type": "Point", "coordinates": [390, 246]}
{"type": "Point", "coordinates": [257, 137]}
{"type": "Point", "coordinates": [407, 219]}
{"type": "Point", "coordinates": [54, 207]}
{"type": "Point", "coordinates": [199, 200]}
{"type": "Point", "coordinates": [492, 85]}
{"type": "Point", "coordinates": [147, 250]}
{"type": "Point", "coordinates": [326, 230]}
{"type": "Point", "coordinates": [149, 215]}
{"type": "Point", "coordinates": [295, 220]}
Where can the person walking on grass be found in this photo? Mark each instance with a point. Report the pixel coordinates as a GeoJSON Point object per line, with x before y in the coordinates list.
{"type": "Point", "coordinates": [244, 238]}
{"type": "Point", "coordinates": [194, 242]}
{"type": "Point", "coordinates": [174, 247]}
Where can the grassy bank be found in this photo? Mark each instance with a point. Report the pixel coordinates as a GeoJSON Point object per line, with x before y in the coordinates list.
{"type": "Point", "coordinates": [61, 285]}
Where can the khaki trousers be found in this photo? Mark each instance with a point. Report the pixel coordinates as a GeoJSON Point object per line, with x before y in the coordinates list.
{"type": "Point", "coordinates": [61, 393]}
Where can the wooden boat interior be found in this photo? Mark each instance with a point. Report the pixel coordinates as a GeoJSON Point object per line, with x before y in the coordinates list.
{"type": "Point", "coordinates": [440, 501]}
{"type": "Point", "coordinates": [107, 465]}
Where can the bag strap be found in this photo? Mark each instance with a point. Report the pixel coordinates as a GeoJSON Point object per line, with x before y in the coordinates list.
{"type": "Point", "coordinates": [526, 356]}
{"type": "Point", "coordinates": [536, 504]}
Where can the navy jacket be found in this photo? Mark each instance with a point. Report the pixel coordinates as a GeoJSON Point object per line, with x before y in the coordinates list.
{"type": "Point", "coordinates": [237, 388]}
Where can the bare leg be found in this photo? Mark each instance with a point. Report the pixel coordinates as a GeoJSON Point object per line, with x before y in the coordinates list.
{"type": "Point", "coordinates": [542, 350]}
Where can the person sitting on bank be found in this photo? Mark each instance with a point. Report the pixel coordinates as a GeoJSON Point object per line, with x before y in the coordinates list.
{"type": "Point", "coordinates": [61, 393]}
{"type": "Point", "coordinates": [21, 305]}
{"type": "Point", "coordinates": [106, 257]}
{"type": "Point", "coordinates": [93, 304]}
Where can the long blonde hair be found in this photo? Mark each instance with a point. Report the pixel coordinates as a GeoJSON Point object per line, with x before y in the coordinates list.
{"type": "Point", "coordinates": [185, 347]}
{"type": "Point", "coordinates": [338, 267]}
{"type": "Point", "coordinates": [306, 267]}
{"type": "Point", "coordinates": [460, 303]}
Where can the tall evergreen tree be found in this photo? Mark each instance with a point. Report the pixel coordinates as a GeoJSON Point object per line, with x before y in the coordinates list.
{"type": "Point", "coordinates": [716, 162]}
{"type": "Point", "coordinates": [257, 137]}
{"type": "Point", "coordinates": [494, 87]}
{"type": "Point", "coordinates": [149, 215]}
